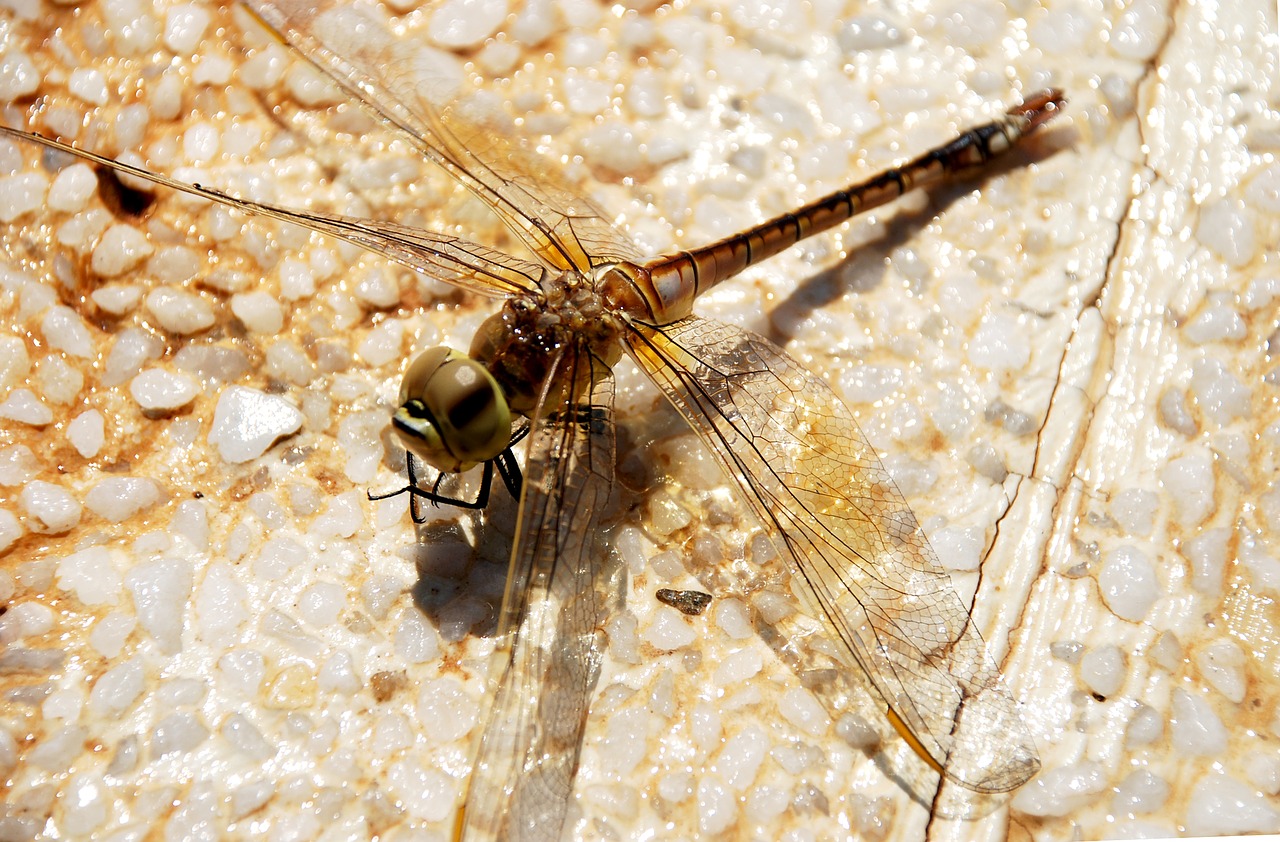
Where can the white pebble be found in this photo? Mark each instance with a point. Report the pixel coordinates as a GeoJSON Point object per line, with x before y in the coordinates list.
{"type": "Point", "coordinates": [117, 299]}
{"type": "Point", "coordinates": [461, 24]}
{"type": "Point", "coordinates": [160, 590]}
{"type": "Point", "coordinates": [337, 675]}
{"type": "Point", "coordinates": [200, 143]}
{"type": "Point", "coordinates": [416, 641]}
{"type": "Point", "coordinates": [31, 618]}
{"type": "Point", "coordinates": [23, 406]}
{"type": "Point", "coordinates": [87, 432]}
{"type": "Point", "coordinates": [184, 27]}
{"type": "Point", "coordinates": [426, 794]}
{"type": "Point", "coordinates": [717, 806]}
{"type": "Point", "coordinates": [382, 345]}
{"type": "Point", "coordinates": [378, 288]}
{"type": "Point", "coordinates": [212, 70]}
{"type": "Point", "coordinates": [259, 311]}
{"type": "Point", "coordinates": [56, 752]}
{"type": "Point", "coordinates": [120, 249]}
{"type": "Point", "coordinates": [1140, 30]}
{"type": "Point", "coordinates": [733, 617]}
{"type": "Point", "coordinates": [1197, 730]}
{"type": "Point", "coordinates": [243, 670]}
{"type": "Point", "coordinates": [64, 330]}
{"type": "Point", "coordinates": [1263, 769]}
{"type": "Point", "coordinates": [739, 666]}
{"type": "Point", "coordinates": [132, 24]}
{"type": "Point", "coordinates": [669, 630]}
{"type": "Point", "coordinates": [1061, 791]}
{"type": "Point", "coordinates": [72, 188]}
{"type": "Point", "coordinates": [740, 759]}
{"type": "Point", "coordinates": [624, 742]}
{"type": "Point", "coordinates": [1000, 343]}
{"type": "Point", "coordinates": [1207, 553]}
{"type": "Point", "coordinates": [15, 362]}
{"type": "Point", "coordinates": [1217, 323]}
{"type": "Point", "coordinates": [1103, 670]}
{"type": "Point", "coordinates": [802, 710]}
{"type": "Point", "coordinates": [1229, 229]}
{"type": "Point", "coordinates": [17, 464]}
{"type": "Point", "coordinates": [1128, 583]}
{"type": "Point", "coordinates": [180, 732]}
{"type": "Point", "coordinates": [85, 802]}
{"type": "Point", "coordinates": [10, 530]}
{"type": "Point", "coordinates": [116, 499]}
{"type": "Point", "coordinates": [296, 279]}
{"type": "Point", "coordinates": [1134, 509]}
{"type": "Point", "coordinates": [179, 311]}
{"type": "Point", "coordinates": [869, 32]}
{"type": "Point", "coordinates": [666, 515]}
{"type": "Point", "coordinates": [1189, 481]}
{"type": "Point", "coordinates": [174, 264]}
{"type": "Point", "coordinates": [51, 506]}
{"type": "Point", "coordinates": [19, 78]}
{"type": "Point", "coordinates": [220, 604]}
{"type": "Point", "coordinates": [245, 737]}
{"type": "Point", "coordinates": [343, 515]}
{"type": "Point", "coordinates": [1222, 665]}
{"type": "Point", "coordinates": [1219, 391]}
{"type": "Point", "coordinates": [321, 603]}
{"type": "Point", "coordinates": [1261, 291]}
{"type": "Point", "coordinates": [91, 576]}
{"type": "Point", "coordinates": [246, 422]}
{"type": "Point", "coordinates": [117, 689]}
{"type": "Point", "coordinates": [110, 633]}
{"type": "Point", "coordinates": [59, 381]}
{"type": "Point", "coordinates": [20, 194]}
{"type": "Point", "coordinates": [452, 712]}
{"type": "Point", "coordinates": [586, 96]}
{"type": "Point", "coordinates": [1140, 792]}
{"type": "Point", "coordinates": [1220, 805]}
{"type": "Point", "coordinates": [1144, 728]}
{"type": "Point", "coordinates": [249, 798]}
{"type": "Point", "coordinates": [88, 85]}
{"type": "Point", "coordinates": [158, 389]}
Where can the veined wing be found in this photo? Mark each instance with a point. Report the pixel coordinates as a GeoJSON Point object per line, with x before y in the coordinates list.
{"type": "Point", "coordinates": [453, 260]}
{"type": "Point", "coordinates": [561, 591]}
{"type": "Point", "coordinates": [854, 548]}
{"type": "Point", "coordinates": [409, 86]}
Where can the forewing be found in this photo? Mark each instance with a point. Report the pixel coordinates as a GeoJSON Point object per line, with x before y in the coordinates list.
{"type": "Point", "coordinates": [854, 548]}
{"type": "Point", "coordinates": [412, 86]}
{"type": "Point", "coordinates": [450, 259]}
{"type": "Point", "coordinates": [561, 591]}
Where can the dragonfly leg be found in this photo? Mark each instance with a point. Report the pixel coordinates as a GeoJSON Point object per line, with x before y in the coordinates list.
{"type": "Point", "coordinates": [417, 493]}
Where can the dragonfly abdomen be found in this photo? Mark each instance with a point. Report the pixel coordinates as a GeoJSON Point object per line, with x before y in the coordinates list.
{"type": "Point", "coordinates": [671, 283]}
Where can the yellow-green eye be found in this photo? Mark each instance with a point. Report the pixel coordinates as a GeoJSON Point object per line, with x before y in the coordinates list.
{"type": "Point", "coordinates": [452, 412]}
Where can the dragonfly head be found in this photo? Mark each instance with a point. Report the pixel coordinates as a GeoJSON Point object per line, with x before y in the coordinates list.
{"type": "Point", "coordinates": [452, 413]}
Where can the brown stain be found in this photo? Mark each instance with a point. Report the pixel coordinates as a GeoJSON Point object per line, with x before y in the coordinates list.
{"type": "Point", "coordinates": [387, 684]}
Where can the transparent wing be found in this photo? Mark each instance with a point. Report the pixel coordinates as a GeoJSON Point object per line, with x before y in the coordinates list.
{"type": "Point", "coordinates": [854, 548]}
{"type": "Point", "coordinates": [450, 259]}
{"type": "Point", "coordinates": [410, 86]}
{"type": "Point", "coordinates": [560, 593]}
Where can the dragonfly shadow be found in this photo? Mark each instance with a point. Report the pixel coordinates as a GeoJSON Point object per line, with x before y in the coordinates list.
{"type": "Point", "coordinates": [461, 559]}
{"type": "Point", "coordinates": [864, 270]}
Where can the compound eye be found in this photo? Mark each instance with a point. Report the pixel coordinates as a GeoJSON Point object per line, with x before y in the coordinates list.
{"type": "Point", "coordinates": [452, 412]}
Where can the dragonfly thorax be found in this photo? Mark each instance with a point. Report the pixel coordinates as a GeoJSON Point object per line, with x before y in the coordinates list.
{"type": "Point", "coordinates": [452, 414]}
{"type": "Point", "coordinates": [530, 339]}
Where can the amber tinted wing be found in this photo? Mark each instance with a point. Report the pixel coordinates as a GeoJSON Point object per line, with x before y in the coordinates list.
{"type": "Point", "coordinates": [411, 86]}
{"type": "Point", "coordinates": [856, 553]}
{"type": "Point", "coordinates": [560, 593]}
{"type": "Point", "coordinates": [450, 259]}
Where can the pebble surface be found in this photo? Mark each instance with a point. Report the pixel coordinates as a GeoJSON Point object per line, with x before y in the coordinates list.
{"type": "Point", "coordinates": [1067, 375]}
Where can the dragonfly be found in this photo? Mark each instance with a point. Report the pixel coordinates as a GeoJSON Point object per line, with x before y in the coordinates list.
{"type": "Point", "coordinates": [542, 366]}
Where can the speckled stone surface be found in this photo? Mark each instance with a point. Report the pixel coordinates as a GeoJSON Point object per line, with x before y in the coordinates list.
{"type": "Point", "coordinates": [1069, 367]}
